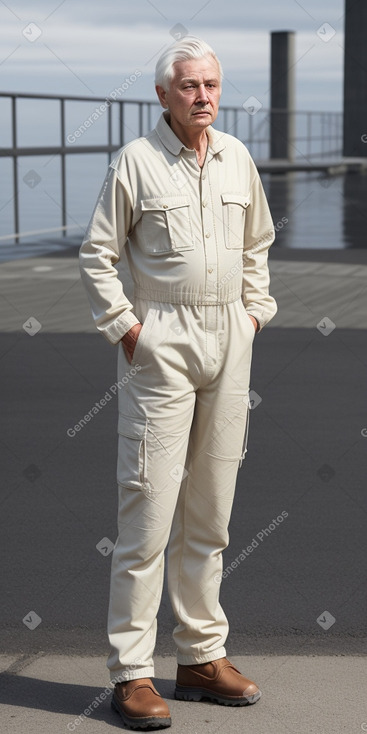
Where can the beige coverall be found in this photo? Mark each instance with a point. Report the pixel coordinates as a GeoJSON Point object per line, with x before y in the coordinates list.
{"type": "Point", "coordinates": [196, 241]}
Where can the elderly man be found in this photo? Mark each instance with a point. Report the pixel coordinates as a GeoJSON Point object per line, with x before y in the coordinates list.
{"type": "Point", "coordinates": [187, 204]}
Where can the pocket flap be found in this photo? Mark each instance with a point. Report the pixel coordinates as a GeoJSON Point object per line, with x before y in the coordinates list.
{"type": "Point", "coordinates": [162, 203]}
{"type": "Point", "coordinates": [240, 199]}
{"type": "Point", "coordinates": [130, 428]}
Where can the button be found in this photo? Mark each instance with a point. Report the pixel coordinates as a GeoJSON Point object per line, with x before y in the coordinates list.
{"type": "Point", "coordinates": [204, 204]}
{"type": "Point", "coordinates": [165, 206]}
{"type": "Point", "coordinates": [203, 177]}
{"type": "Point", "coordinates": [210, 270]}
{"type": "Point", "coordinates": [207, 234]}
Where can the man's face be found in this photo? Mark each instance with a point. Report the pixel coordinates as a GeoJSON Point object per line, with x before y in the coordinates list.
{"type": "Point", "coordinates": [194, 93]}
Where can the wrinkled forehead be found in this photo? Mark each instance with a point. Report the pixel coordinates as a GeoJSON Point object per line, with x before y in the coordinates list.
{"type": "Point", "coordinates": [206, 68]}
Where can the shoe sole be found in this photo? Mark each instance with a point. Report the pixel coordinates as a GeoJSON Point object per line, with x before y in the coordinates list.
{"type": "Point", "coordinates": [146, 722]}
{"type": "Point", "coordinates": [183, 693]}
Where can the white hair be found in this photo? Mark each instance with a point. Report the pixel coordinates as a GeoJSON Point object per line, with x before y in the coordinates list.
{"type": "Point", "coordinates": [188, 47]}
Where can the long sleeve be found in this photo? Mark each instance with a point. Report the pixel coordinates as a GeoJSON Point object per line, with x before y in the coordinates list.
{"type": "Point", "coordinates": [259, 235]}
{"type": "Point", "coordinates": [101, 249]}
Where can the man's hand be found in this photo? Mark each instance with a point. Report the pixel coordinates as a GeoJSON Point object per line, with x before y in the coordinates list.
{"type": "Point", "coordinates": [256, 325]}
{"type": "Point", "coordinates": [129, 340]}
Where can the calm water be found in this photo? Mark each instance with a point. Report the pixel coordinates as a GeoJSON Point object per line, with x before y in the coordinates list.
{"type": "Point", "coordinates": [322, 212]}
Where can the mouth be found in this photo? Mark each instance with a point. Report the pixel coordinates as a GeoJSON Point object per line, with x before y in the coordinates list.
{"type": "Point", "coordinates": [201, 112]}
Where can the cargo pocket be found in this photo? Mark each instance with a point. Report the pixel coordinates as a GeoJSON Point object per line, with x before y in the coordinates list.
{"type": "Point", "coordinates": [166, 225]}
{"type": "Point", "coordinates": [132, 453]}
{"type": "Point", "coordinates": [234, 217]}
{"type": "Point", "coordinates": [245, 438]}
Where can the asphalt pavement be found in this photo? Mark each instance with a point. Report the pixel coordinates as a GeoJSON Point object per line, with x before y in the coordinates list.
{"type": "Point", "coordinates": [296, 601]}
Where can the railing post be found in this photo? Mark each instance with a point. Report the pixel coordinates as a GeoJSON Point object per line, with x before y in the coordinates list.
{"type": "Point", "coordinates": [235, 123]}
{"type": "Point", "coordinates": [250, 132]}
{"type": "Point", "coordinates": [62, 163]}
{"type": "Point", "coordinates": [149, 116]}
{"type": "Point", "coordinates": [225, 120]}
{"type": "Point", "coordinates": [140, 119]}
{"type": "Point", "coordinates": [121, 104]}
{"type": "Point", "coordinates": [15, 166]}
{"type": "Point", "coordinates": [109, 124]}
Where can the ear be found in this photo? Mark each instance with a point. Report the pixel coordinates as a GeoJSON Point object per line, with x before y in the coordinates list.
{"type": "Point", "coordinates": [162, 96]}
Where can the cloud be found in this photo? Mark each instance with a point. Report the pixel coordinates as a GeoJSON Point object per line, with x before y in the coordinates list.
{"type": "Point", "coordinates": [264, 14]}
{"type": "Point", "coordinates": [78, 54]}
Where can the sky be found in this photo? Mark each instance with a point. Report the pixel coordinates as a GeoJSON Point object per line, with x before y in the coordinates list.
{"type": "Point", "coordinates": [83, 48]}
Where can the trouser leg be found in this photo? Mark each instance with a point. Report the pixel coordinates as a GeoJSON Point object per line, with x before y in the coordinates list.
{"type": "Point", "coordinates": [155, 415]}
{"type": "Point", "coordinates": [200, 526]}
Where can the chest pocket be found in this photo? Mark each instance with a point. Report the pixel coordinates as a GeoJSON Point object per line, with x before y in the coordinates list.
{"type": "Point", "coordinates": [166, 225]}
{"type": "Point", "coordinates": [234, 216]}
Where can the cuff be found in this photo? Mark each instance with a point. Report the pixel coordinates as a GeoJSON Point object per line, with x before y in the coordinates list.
{"type": "Point", "coordinates": [120, 326]}
{"type": "Point", "coordinates": [199, 659]}
{"type": "Point", "coordinates": [260, 323]}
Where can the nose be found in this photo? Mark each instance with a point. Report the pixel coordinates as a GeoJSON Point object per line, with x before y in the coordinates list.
{"type": "Point", "coordinates": [202, 95]}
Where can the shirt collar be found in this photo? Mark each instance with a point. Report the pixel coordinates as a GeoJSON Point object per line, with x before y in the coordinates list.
{"type": "Point", "coordinates": [175, 145]}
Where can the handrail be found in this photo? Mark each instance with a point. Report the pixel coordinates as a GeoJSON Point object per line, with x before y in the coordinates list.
{"type": "Point", "coordinates": [48, 230]}
{"type": "Point", "coordinates": [239, 121]}
{"type": "Point", "coordinates": [76, 98]}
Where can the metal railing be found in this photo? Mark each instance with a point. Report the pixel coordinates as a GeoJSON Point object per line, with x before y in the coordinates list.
{"type": "Point", "coordinates": [317, 134]}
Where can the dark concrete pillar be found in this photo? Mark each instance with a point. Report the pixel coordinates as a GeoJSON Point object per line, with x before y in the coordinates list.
{"type": "Point", "coordinates": [282, 124]}
{"type": "Point", "coordinates": [355, 79]}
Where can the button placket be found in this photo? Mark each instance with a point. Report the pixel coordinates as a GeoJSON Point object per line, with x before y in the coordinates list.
{"type": "Point", "coordinates": [209, 239]}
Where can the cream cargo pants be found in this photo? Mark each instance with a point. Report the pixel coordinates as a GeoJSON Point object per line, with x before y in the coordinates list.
{"type": "Point", "coordinates": [183, 418]}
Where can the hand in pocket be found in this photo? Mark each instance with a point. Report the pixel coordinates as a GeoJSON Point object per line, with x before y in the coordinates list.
{"type": "Point", "coordinates": [130, 339]}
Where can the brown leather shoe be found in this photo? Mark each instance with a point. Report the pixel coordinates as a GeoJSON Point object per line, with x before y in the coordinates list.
{"type": "Point", "coordinates": [219, 681]}
{"type": "Point", "coordinates": [140, 705]}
